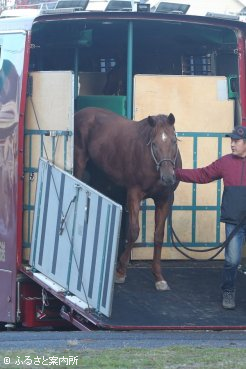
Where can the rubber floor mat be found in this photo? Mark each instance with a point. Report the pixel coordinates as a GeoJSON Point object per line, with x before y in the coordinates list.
{"type": "Point", "coordinates": [193, 302]}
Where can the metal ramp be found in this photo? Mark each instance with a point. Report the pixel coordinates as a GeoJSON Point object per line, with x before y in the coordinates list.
{"type": "Point", "coordinates": [75, 237]}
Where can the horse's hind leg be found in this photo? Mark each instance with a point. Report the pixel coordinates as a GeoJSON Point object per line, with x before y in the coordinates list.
{"type": "Point", "coordinates": [161, 213]}
{"type": "Point", "coordinates": [133, 203]}
{"type": "Point", "coordinates": [80, 160]}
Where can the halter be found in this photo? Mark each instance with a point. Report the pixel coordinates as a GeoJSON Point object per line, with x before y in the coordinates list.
{"type": "Point", "coordinates": [158, 163]}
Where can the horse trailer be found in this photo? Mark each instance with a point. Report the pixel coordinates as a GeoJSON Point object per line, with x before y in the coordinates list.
{"type": "Point", "coordinates": [60, 237]}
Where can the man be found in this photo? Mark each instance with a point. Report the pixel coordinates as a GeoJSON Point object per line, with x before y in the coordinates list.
{"type": "Point", "coordinates": [232, 169]}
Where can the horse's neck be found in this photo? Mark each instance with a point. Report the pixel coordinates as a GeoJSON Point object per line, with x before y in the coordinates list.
{"type": "Point", "coordinates": [139, 131]}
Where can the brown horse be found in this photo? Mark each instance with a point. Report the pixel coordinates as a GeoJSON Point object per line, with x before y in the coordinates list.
{"type": "Point", "coordinates": [141, 157]}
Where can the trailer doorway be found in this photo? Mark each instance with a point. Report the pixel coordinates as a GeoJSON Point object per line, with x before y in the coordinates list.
{"type": "Point", "coordinates": [203, 61]}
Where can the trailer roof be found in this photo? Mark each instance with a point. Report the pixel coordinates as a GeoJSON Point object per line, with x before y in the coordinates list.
{"type": "Point", "coordinates": [25, 22]}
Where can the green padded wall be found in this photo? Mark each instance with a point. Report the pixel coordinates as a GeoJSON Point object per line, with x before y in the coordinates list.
{"type": "Point", "coordinates": [116, 104]}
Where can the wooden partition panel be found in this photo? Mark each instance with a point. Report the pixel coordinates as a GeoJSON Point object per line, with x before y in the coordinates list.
{"type": "Point", "coordinates": [203, 115]}
{"type": "Point", "coordinates": [48, 133]}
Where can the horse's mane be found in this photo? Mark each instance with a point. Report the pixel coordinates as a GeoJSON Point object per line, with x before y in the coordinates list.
{"type": "Point", "coordinates": [145, 129]}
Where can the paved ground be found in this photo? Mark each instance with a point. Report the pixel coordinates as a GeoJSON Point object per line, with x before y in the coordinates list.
{"type": "Point", "coordinates": [78, 340]}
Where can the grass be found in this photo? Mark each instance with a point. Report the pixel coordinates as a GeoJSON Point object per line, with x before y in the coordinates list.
{"type": "Point", "coordinates": [180, 357]}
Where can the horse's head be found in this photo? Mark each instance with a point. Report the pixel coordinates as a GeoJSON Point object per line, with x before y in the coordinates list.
{"type": "Point", "coordinates": [163, 146]}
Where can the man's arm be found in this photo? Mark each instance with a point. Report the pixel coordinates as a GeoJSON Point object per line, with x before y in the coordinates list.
{"type": "Point", "coordinates": [206, 174]}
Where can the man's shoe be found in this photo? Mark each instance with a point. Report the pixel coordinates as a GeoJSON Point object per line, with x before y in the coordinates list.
{"type": "Point", "coordinates": [228, 301]}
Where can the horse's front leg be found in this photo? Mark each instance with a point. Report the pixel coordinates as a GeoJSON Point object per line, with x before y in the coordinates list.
{"type": "Point", "coordinates": [133, 203]}
{"type": "Point", "coordinates": [161, 213]}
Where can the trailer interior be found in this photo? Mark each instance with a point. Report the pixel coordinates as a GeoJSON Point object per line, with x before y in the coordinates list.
{"type": "Point", "coordinates": [170, 47]}
{"type": "Point", "coordinates": [105, 53]}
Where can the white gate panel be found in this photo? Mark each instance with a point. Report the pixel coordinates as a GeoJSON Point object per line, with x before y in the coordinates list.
{"type": "Point", "coordinates": [75, 236]}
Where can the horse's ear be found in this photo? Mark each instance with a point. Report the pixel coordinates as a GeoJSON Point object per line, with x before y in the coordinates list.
{"type": "Point", "coordinates": [171, 119]}
{"type": "Point", "coordinates": [151, 121]}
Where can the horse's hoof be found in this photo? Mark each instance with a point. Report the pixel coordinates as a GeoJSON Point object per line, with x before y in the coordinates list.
{"type": "Point", "coordinates": [119, 278]}
{"type": "Point", "coordinates": [162, 286]}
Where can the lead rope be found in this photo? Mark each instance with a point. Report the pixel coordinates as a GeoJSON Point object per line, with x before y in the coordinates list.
{"type": "Point", "coordinates": [220, 247]}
